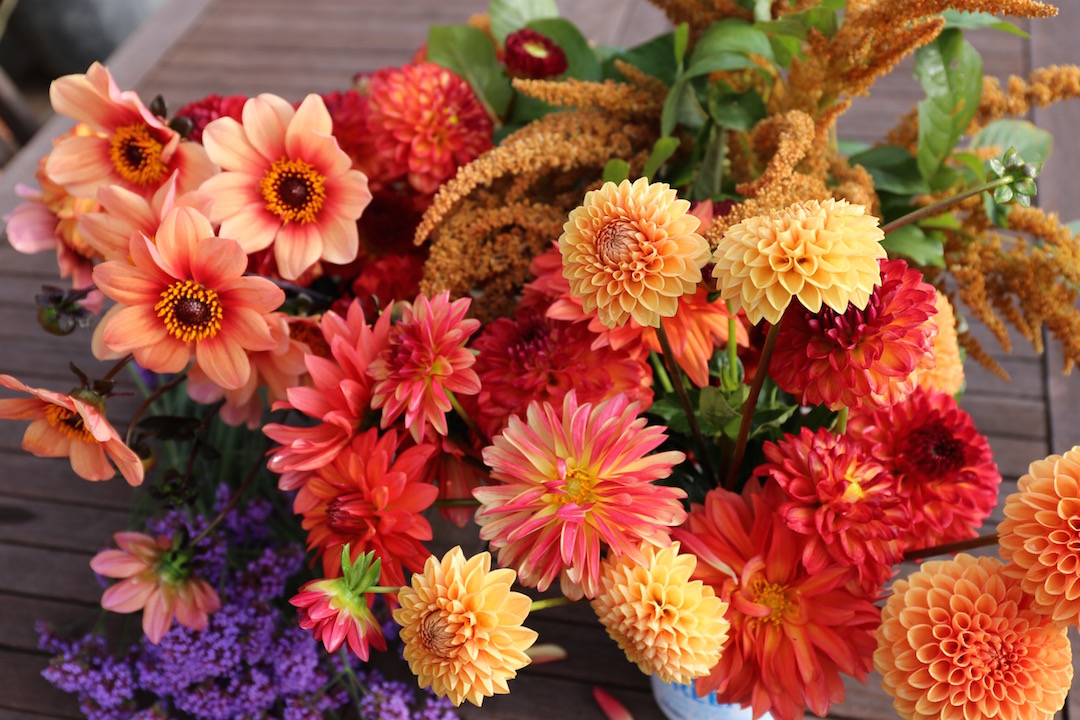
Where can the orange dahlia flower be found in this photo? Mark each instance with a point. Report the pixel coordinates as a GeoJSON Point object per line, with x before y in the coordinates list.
{"type": "Point", "coordinates": [186, 291]}
{"type": "Point", "coordinates": [631, 250]}
{"type": "Point", "coordinates": [844, 501]}
{"type": "Point", "coordinates": [131, 147]}
{"type": "Point", "coordinates": [793, 632]}
{"type": "Point", "coordinates": [71, 426]}
{"type": "Point", "coordinates": [286, 183]}
{"type": "Point", "coordinates": [665, 622]}
{"type": "Point", "coordinates": [816, 252]}
{"type": "Point", "coordinates": [425, 359]}
{"type": "Point", "coordinates": [154, 578]}
{"type": "Point", "coordinates": [574, 480]}
{"type": "Point", "coordinates": [370, 498]}
{"type": "Point", "coordinates": [462, 627]}
{"type": "Point", "coordinates": [959, 640]}
{"type": "Point", "coordinates": [944, 465]}
{"type": "Point", "coordinates": [861, 357]}
{"type": "Point", "coordinates": [425, 122]}
{"type": "Point", "coordinates": [1040, 536]}
{"type": "Point", "coordinates": [944, 369]}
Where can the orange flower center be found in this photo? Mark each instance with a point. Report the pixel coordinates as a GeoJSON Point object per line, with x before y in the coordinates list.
{"type": "Point", "coordinates": [137, 155]}
{"type": "Point", "coordinates": [615, 242]}
{"type": "Point", "coordinates": [577, 488]}
{"type": "Point", "coordinates": [190, 311]}
{"type": "Point", "coordinates": [69, 423]}
{"type": "Point", "coordinates": [435, 636]}
{"type": "Point", "coordinates": [310, 334]}
{"type": "Point", "coordinates": [294, 190]}
{"type": "Point", "coordinates": [772, 596]}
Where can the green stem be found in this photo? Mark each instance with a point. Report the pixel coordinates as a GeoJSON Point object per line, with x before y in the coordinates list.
{"type": "Point", "coordinates": [953, 547]}
{"type": "Point", "coordinates": [750, 406]}
{"type": "Point", "coordinates": [549, 603]}
{"type": "Point", "coordinates": [840, 426]}
{"type": "Point", "coordinates": [456, 502]}
{"type": "Point", "coordinates": [942, 205]}
{"type": "Point", "coordinates": [684, 399]}
{"type": "Point", "coordinates": [384, 589]}
{"type": "Point", "coordinates": [463, 415]}
{"type": "Point", "coordinates": [660, 372]}
{"type": "Point", "coordinates": [353, 686]}
{"type": "Point", "coordinates": [150, 399]}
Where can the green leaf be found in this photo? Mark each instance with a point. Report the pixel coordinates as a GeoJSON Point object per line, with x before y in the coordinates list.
{"type": "Point", "coordinates": [655, 57]}
{"type": "Point", "coordinates": [763, 10]}
{"type": "Point", "coordinates": [682, 40]}
{"type": "Point", "coordinates": [974, 20]}
{"type": "Point", "coordinates": [768, 419]}
{"type": "Point", "coordinates": [468, 52]}
{"type": "Point", "coordinates": [851, 147]}
{"type": "Point", "coordinates": [1074, 227]}
{"type": "Point", "coordinates": [950, 71]}
{"type": "Point", "coordinates": [510, 15]}
{"type": "Point", "coordinates": [664, 148]}
{"type": "Point", "coordinates": [912, 242]}
{"type": "Point", "coordinates": [681, 107]}
{"type": "Point", "coordinates": [710, 175]}
{"type": "Point", "coordinates": [738, 111]}
{"type": "Point", "coordinates": [893, 169]}
{"type": "Point", "coordinates": [671, 412]}
{"type": "Point", "coordinates": [727, 45]}
{"type": "Point", "coordinates": [616, 170]}
{"type": "Point", "coordinates": [1032, 143]}
{"type": "Point", "coordinates": [580, 57]}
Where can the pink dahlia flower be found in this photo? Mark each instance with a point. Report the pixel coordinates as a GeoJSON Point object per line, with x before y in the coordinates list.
{"type": "Point", "coordinates": [574, 481]}
{"type": "Point", "coordinates": [286, 183]}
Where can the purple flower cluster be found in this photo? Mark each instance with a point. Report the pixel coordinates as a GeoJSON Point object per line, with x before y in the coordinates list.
{"type": "Point", "coordinates": [394, 700]}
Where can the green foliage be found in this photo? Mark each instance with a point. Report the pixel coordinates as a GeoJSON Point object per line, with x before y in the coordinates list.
{"type": "Point", "coordinates": [736, 111]}
{"type": "Point", "coordinates": [616, 170]}
{"type": "Point", "coordinates": [469, 53]}
{"type": "Point", "coordinates": [787, 34]}
{"type": "Point", "coordinates": [510, 15]}
{"type": "Point", "coordinates": [664, 148]}
{"type": "Point", "coordinates": [655, 57]}
{"type": "Point", "coordinates": [914, 243]}
{"type": "Point", "coordinates": [974, 20]}
{"type": "Point", "coordinates": [950, 71]}
{"type": "Point", "coordinates": [710, 176]}
{"type": "Point", "coordinates": [1032, 143]}
{"type": "Point", "coordinates": [580, 57]}
{"type": "Point", "coordinates": [893, 168]}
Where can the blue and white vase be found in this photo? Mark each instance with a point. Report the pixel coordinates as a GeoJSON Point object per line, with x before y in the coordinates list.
{"type": "Point", "coordinates": [680, 702]}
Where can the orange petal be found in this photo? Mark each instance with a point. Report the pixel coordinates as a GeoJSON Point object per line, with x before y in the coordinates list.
{"type": "Point", "coordinates": [297, 248]}
{"type": "Point", "coordinates": [89, 462]}
{"type": "Point", "coordinates": [127, 596]}
{"type": "Point", "coordinates": [228, 146]}
{"type": "Point", "coordinates": [223, 361]}
{"type": "Point", "coordinates": [265, 119]}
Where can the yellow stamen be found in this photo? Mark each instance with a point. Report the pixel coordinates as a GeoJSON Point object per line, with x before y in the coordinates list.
{"type": "Point", "coordinates": [578, 488]}
{"type": "Point", "coordinates": [137, 155]}
{"type": "Point", "coordinates": [294, 190]}
{"type": "Point", "coordinates": [69, 423]}
{"type": "Point", "coordinates": [190, 311]}
{"type": "Point", "coordinates": [772, 596]}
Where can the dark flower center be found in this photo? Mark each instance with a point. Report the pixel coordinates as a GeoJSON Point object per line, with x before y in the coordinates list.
{"type": "Point", "coordinates": [933, 451]}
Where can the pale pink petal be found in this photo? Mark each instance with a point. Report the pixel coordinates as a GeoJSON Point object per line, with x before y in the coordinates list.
{"type": "Point", "coordinates": [168, 355]}
{"type": "Point", "coordinates": [231, 193]}
{"type": "Point", "coordinates": [253, 227]}
{"type": "Point", "coordinates": [129, 464]}
{"type": "Point", "coordinates": [126, 284]}
{"type": "Point", "coordinates": [43, 440]}
{"type": "Point", "coordinates": [258, 294]}
{"type": "Point", "coordinates": [341, 240]}
{"type": "Point", "coordinates": [146, 256]}
{"type": "Point", "coordinates": [87, 98]}
{"type": "Point", "coordinates": [265, 119]}
{"type": "Point", "coordinates": [217, 260]}
{"type": "Point", "coordinates": [13, 383]}
{"type": "Point", "coordinates": [228, 146]}
{"type": "Point", "coordinates": [116, 564]}
{"type": "Point", "coordinates": [347, 195]}
{"type": "Point", "coordinates": [180, 230]}
{"type": "Point", "coordinates": [94, 421]}
{"type": "Point", "coordinates": [109, 236]}
{"type": "Point", "coordinates": [158, 614]}
{"type": "Point", "coordinates": [130, 207]}
{"type": "Point", "coordinates": [297, 248]}
{"type": "Point", "coordinates": [194, 166]}
{"type": "Point", "coordinates": [31, 228]}
{"type": "Point", "coordinates": [134, 327]}
{"type": "Point", "coordinates": [97, 341]}
{"type": "Point", "coordinates": [89, 462]}
{"type": "Point", "coordinates": [82, 164]}
{"type": "Point", "coordinates": [127, 596]}
{"type": "Point", "coordinates": [223, 361]}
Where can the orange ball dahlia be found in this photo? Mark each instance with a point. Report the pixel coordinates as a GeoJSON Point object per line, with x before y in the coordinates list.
{"type": "Point", "coordinates": [1040, 536]}
{"type": "Point", "coordinates": [572, 481]}
{"type": "Point", "coordinates": [665, 622]}
{"type": "Point", "coordinates": [816, 252]}
{"type": "Point", "coordinates": [864, 357]}
{"type": "Point", "coordinates": [944, 465]}
{"type": "Point", "coordinates": [843, 500]}
{"type": "Point", "coordinates": [426, 122]}
{"type": "Point", "coordinates": [462, 627]}
{"type": "Point", "coordinates": [947, 371]}
{"type": "Point", "coordinates": [959, 640]}
{"type": "Point", "coordinates": [631, 250]}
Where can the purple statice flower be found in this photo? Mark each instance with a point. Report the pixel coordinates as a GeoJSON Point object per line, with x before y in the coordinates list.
{"type": "Point", "coordinates": [395, 700]}
{"type": "Point", "coordinates": [247, 521]}
{"type": "Point", "coordinates": [105, 684]}
{"type": "Point", "coordinates": [210, 553]}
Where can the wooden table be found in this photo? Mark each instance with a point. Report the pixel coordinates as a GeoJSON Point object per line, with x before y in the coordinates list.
{"type": "Point", "coordinates": [51, 522]}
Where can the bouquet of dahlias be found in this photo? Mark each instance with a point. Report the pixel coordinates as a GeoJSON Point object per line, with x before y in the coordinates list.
{"type": "Point", "coordinates": [635, 316]}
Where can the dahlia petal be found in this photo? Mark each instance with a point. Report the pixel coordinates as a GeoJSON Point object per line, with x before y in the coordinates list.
{"type": "Point", "coordinates": [223, 360]}
{"type": "Point", "coordinates": [193, 167]}
{"type": "Point", "coordinates": [347, 194]}
{"type": "Point", "coordinates": [134, 327]}
{"type": "Point", "coordinates": [253, 227]}
{"type": "Point", "coordinates": [31, 228]}
{"type": "Point", "coordinates": [21, 408]}
{"type": "Point", "coordinates": [77, 162]}
{"type": "Point", "coordinates": [89, 462]}
{"type": "Point", "coordinates": [254, 293]}
{"type": "Point", "coordinates": [341, 241]}
{"type": "Point", "coordinates": [266, 118]}
{"type": "Point", "coordinates": [167, 355]}
{"type": "Point", "coordinates": [217, 260]}
{"type": "Point", "coordinates": [90, 98]}
{"type": "Point", "coordinates": [180, 231]}
{"type": "Point", "coordinates": [297, 248]}
{"type": "Point", "coordinates": [127, 596]}
{"type": "Point", "coordinates": [126, 284]}
{"type": "Point", "coordinates": [232, 192]}
{"type": "Point", "coordinates": [228, 146]}
{"type": "Point", "coordinates": [127, 461]}
{"type": "Point", "coordinates": [117, 564]}
{"type": "Point", "coordinates": [43, 440]}
{"type": "Point", "coordinates": [158, 614]}
{"type": "Point", "coordinates": [248, 329]}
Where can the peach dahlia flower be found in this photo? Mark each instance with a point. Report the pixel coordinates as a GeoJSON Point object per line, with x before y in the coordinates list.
{"type": "Point", "coordinates": [132, 147]}
{"type": "Point", "coordinates": [462, 627]}
{"type": "Point", "coordinates": [816, 252]}
{"type": "Point", "coordinates": [287, 183]}
{"type": "Point", "coordinates": [631, 250]}
{"type": "Point", "coordinates": [959, 640]}
{"type": "Point", "coordinates": [186, 292]}
{"type": "Point", "coordinates": [943, 369]}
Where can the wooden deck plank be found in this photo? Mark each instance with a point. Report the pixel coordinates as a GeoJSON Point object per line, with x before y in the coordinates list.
{"type": "Point", "coordinates": [23, 689]}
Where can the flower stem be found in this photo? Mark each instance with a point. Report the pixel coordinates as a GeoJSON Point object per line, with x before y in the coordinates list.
{"type": "Point", "coordinates": [953, 547]}
{"type": "Point", "coordinates": [840, 426]}
{"type": "Point", "coordinates": [549, 603]}
{"type": "Point", "coordinates": [150, 399]}
{"type": "Point", "coordinates": [661, 372]}
{"type": "Point", "coordinates": [684, 399]}
{"type": "Point", "coordinates": [942, 205]}
{"type": "Point", "coordinates": [120, 365]}
{"type": "Point", "coordinates": [462, 414]}
{"type": "Point", "coordinates": [384, 589]}
{"type": "Point", "coordinates": [456, 502]}
{"type": "Point", "coordinates": [750, 406]}
{"type": "Point", "coordinates": [353, 685]}
{"type": "Point", "coordinates": [732, 343]}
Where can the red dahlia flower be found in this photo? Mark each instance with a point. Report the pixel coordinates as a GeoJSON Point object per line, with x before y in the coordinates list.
{"type": "Point", "coordinates": [532, 55]}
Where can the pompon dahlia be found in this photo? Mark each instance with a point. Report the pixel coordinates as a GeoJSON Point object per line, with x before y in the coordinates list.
{"type": "Point", "coordinates": [843, 500]}
{"type": "Point", "coordinates": [1040, 536]}
{"type": "Point", "coordinates": [665, 622]}
{"type": "Point", "coordinates": [349, 113]}
{"type": "Point", "coordinates": [793, 632]}
{"type": "Point", "coordinates": [186, 293]}
{"type": "Point", "coordinates": [205, 110]}
{"type": "Point", "coordinates": [73, 426]}
{"type": "Point", "coordinates": [861, 357]}
{"type": "Point", "coordinates": [532, 55]}
{"type": "Point", "coordinates": [959, 640]}
{"type": "Point", "coordinates": [816, 252]}
{"type": "Point", "coordinates": [286, 183]}
{"type": "Point", "coordinates": [533, 358]}
{"type": "Point", "coordinates": [461, 625]}
{"type": "Point", "coordinates": [631, 251]}
{"type": "Point", "coordinates": [425, 359]}
{"type": "Point", "coordinates": [370, 497]}
{"type": "Point", "coordinates": [944, 465]}
{"type": "Point", "coordinates": [947, 371]}
{"type": "Point", "coordinates": [131, 147]}
{"type": "Point", "coordinates": [339, 397]}
{"type": "Point", "coordinates": [156, 578]}
{"type": "Point", "coordinates": [574, 480]}
{"type": "Point", "coordinates": [426, 123]}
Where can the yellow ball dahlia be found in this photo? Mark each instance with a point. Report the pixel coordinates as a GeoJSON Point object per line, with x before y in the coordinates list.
{"type": "Point", "coordinates": [631, 250]}
{"type": "Point", "coordinates": [461, 626]}
{"type": "Point", "coordinates": [663, 621]}
{"type": "Point", "coordinates": [1041, 536]}
{"type": "Point", "coordinates": [819, 252]}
